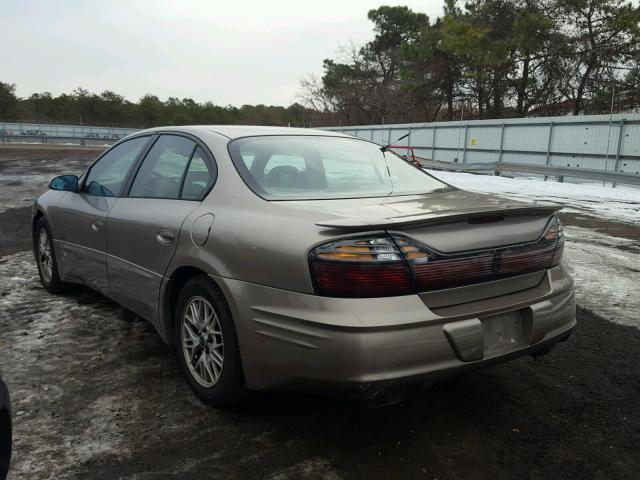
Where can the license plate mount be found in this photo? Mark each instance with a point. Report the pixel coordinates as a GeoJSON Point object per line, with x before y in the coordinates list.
{"type": "Point", "coordinates": [502, 333]}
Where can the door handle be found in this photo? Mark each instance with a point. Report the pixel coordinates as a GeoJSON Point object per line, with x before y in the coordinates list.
{"type": "Point", "coordinates": [165, 236]}
{"type": "Point", "coordinates": [97, 225]}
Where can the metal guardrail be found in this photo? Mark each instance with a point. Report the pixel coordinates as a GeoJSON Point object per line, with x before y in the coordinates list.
{"type": "Point", "coordinates": [62, 130]}
{"type": "Point", "coordinates": [56, 140]}
{"type": "Point", "coordinates": [497, 168]}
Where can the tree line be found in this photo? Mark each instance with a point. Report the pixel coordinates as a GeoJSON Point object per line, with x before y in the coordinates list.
{"type": "Point", "coordinates": [486, 59]}
{"type": "Point", "coordinates": [483, 59]}
{"type": "Point", "coordinates": [111, 109]}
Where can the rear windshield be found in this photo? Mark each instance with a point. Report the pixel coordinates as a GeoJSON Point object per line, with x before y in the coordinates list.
{"type": "Point", "coordinates": [315, 167]}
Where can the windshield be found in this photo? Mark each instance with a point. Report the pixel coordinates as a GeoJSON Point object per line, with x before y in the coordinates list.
{"type": "Point", "coordinates": [315, 167]}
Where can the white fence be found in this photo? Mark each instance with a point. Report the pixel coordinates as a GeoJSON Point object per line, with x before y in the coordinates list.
{"type": "Point", "coordinates": [592, 142]}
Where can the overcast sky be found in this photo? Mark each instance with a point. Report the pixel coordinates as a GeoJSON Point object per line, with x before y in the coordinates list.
{"type": "Point", "coordinates": [230, 52]}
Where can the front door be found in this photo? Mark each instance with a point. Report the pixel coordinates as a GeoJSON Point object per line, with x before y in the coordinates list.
{"type": "Point", "coordinates": [81, 218]}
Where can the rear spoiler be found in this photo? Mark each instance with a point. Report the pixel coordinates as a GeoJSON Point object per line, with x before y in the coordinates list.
{"type": "Point", "coordinates": [446, 216]}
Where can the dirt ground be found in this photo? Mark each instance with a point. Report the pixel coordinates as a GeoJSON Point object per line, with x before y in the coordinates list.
{"type": "Point", "coordinates": [98, 395]}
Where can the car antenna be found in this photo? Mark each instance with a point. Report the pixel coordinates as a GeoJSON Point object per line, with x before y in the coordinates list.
{"type": "Point", "coordinates": [385, 148]}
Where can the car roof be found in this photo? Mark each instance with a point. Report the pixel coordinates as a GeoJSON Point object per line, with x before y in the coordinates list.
{"type": "Point", "coordinates": [237, 131]}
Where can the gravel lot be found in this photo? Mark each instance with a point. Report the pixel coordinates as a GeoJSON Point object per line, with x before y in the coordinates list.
{"type": "Point", "coordinates": [98, 395]}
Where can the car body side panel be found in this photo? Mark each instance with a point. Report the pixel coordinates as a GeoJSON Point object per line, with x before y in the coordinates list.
{"type": "Point", "coordinates": [43, 205]}
{"type": "Point", "coordinates": [79, 222]}
{"type": "Point", "coordinates": [267, 248]}
{"type": "Point", "coordinates": [142, 236]}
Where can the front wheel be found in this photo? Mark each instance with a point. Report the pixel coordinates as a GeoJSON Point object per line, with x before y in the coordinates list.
{"type": "Point", "coordinates": [207, 345]}
{"type": "Point", "coordinates": [46, 258]}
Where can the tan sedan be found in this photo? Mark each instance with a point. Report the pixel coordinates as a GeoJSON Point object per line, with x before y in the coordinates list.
{"type": "Point", "coordinates": [279, 258]}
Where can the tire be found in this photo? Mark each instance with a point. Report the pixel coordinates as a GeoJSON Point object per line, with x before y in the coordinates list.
{"type": "Point", "coordinates": [5, 430]}
{"type": "Point", "coordinates": [46, 259]}
{"type": "Point", "coordinates": [208, 350]}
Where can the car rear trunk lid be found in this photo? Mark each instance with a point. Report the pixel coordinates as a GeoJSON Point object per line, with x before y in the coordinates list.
{"type": "Point", "coordinates": [467, 240]}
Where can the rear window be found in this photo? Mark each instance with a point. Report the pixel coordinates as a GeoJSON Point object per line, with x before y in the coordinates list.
{"type": "Point", "coordinates": [316, 167]}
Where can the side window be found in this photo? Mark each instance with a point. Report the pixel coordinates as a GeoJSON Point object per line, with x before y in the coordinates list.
{"type": "Point", "coordinates": [199, 176]}
{"type": "Point", "coordinates": [107, 176]}
{"type": "Point", "coordinates": [161, 172]}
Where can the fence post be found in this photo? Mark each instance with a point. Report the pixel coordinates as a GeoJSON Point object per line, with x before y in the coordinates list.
{"type": "Point", "coordinates": [497, 170]}
{"type": "Point", "coordinates": [433, 144]}
{"type": "Point", "coordinates": [548, 156]}
{"type": "Point", "coordinates": [501, 143]}
{"type": "Point", "coordinates": [464, 150]}
{"type": "Point", "coordinates": [618, 149]}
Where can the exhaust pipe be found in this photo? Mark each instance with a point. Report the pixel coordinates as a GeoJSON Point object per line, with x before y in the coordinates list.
{"type": "Point", "coordinates": [388, 397]}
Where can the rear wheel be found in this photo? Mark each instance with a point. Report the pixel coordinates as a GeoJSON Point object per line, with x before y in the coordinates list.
{"type": "Point", "coordinates": [46, 258]}
{"type": "Point", "coordinates": [207, 345]}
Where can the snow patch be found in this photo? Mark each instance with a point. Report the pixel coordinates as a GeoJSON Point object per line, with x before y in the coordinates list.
{"type": "Point", "coordinates": [621, 203]}
{"type": "Point", "coordinates": [607, 274]}
{"type": "Point", "coordinates": [313, 468]}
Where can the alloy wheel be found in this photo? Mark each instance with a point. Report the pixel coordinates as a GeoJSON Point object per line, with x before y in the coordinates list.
{"type": "Point", "coordinates": [202, 342]}
{"type": "Point", "coordinates": [45, 257]}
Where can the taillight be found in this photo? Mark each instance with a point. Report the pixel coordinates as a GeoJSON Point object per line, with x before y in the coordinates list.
{"type": "Point", "coordinates": [556, 230]}
{"type": "Point", "coordinates": [396, 265]}
{"type": "Point", "coordinates": [360, 267]}
{"type": "Point", "coordinates": [433, 270]}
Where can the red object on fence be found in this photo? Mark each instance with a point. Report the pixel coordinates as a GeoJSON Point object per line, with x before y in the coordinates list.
{"type": "Point", "coordinates": [410, 151]}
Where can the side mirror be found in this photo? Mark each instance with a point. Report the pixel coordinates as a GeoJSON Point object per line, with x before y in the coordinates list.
{"type": "Point", "coordinates": [67, 183]}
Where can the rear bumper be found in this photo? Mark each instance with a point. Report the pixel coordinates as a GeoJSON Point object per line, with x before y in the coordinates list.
{"type": "Point", "coordinates": [363, 346]}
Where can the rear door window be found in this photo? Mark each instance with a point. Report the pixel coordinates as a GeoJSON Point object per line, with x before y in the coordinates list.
{"type": "Point", "coordinates": [200, 174]}
{"type": "Point", "coordinates": [163, 169]}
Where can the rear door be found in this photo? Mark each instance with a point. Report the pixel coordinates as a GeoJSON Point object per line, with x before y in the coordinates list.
{"type": "Point", "coordinates": [80, 218]}
{"type": "Point", "coordinates": [143, 227]}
